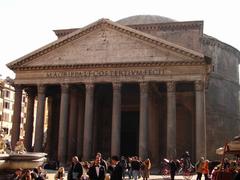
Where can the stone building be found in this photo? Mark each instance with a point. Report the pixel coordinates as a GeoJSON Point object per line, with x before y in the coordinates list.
{"type": "Point", "coordinates": [144, 85]}
{"type": "Point", "coordinates": [7, 93]}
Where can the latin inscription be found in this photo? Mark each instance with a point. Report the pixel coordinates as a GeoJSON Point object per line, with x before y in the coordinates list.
{"type": "Point", "coordinates": [105, 73]}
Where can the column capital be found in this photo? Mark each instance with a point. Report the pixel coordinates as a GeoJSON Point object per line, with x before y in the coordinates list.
{"type": "Point", "coordinates": [199, 85]}
{"type": "Point", "coordinates": [41, 88]}
{"type": "Point", "coordinates": [74, 89]}
{"type": "Point", "coordinates": [116, 86]}
{"type": "Point", "coordinates": [171, 86]}
{"type": "Point", "coordinates": [30, 92]}
{"type": "Point", "coordinates": [17, 87]}
{"type": "Point", "coordinates": [64, 88]}
{"type": "Point", "coordinates": [143, 87]}
{"type": "Point", "coordinates": [89, 86]}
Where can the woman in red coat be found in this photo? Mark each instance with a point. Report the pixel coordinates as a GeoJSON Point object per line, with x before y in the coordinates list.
{"type": "Point", "coordinates": [205, 169]}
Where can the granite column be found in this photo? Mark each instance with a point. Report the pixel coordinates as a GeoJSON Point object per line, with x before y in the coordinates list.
{"type": "Point", "coordinates": [29, 119]}
{"type": "Point", "coordinates": [16, 115]}
{"type": "Point", "coordinates": [72, 129]}
{"type": "Point", "coordinates": [143, 124]}
{"type": "Point", "coordinates": [63, 124]}
{"type": "Point", "coordinates": [88, 121]}
{"type": "Point", "coordinates": [39, 128]}
{"type": "Point", "coordinates": [171, 119]}
{"type": "Point", "coordinates": [116, 120]}
{"type": "Point", "coordinates": [200, 120]}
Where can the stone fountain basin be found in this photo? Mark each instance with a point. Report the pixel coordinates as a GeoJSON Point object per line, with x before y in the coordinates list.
{"type": "Point", "coordinates": [28, 160]}
{"type": "Point", "coordinates": [4, 157]}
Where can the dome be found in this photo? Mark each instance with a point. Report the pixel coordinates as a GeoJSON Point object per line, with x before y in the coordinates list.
{"type": "Point", "coordinates": [144, 19]}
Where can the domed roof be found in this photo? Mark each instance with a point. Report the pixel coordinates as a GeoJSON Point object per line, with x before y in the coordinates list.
{"type": "Point", "coordinates": [144, 19]}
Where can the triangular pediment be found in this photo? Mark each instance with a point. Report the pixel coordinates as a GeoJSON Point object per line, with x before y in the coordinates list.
{"type": "Point", "coordinates": [106, 42]}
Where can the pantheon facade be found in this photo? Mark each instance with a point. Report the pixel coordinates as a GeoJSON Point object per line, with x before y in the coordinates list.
{"type": "Point", "coordinates": [144, 85]}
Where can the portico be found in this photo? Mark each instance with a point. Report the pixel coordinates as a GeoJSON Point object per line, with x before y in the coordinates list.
{"type": "Point", "coordinates": [101, 79]}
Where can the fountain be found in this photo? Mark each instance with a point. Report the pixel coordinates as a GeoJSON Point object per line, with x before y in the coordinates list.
{"type": "Point", "coordinates": [19, 158]}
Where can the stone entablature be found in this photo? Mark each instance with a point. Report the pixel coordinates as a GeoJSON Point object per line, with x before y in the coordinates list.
{"type": "Point", "coordinates": [170, 26]}
{"type": "Point", "coordinates": [210, 41]}
{"type": "Point", "coordinates": [146, 72]}
{"type": "Point", "coordinates": [116, 65]}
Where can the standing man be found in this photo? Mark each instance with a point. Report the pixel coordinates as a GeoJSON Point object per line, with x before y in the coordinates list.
{"type": "Point", "coordinates": [76, 169]}
{"type": "Point", "coordinates": [97, 171]}
{"type": "Point", "coordinates": [102, 161]}
{"type": "Point", "coordinates": [117, 169]}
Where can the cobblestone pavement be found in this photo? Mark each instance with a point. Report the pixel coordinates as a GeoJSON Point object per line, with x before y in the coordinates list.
{"type": "Point", "coordinates": [155, 177]}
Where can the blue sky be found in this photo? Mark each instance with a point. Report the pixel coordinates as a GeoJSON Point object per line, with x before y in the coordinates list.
{"type": "Point", "coordinates": [26, 25]}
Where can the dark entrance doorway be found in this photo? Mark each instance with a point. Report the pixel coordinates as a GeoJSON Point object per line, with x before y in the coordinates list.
{"type": "Point", "coordinates": [129, 133]}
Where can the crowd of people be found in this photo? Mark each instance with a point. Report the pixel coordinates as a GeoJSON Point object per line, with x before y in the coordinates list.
{"type": "Point", "coordinates": [215, 170]}
{"type": "Point", "coordinates": [227, 169]}
{"type": "Point", "coordinates": [182, 166]}
{"type": "Point", "coordinates": [114, 168]}
{"type": "Point", "coordinates": [30, 174]}
{"type": "Point", "coordinates": [129, 168]}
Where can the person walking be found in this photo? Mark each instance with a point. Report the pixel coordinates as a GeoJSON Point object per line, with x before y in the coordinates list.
{"type": "Point", "coordinates": [146, 167]}
{"type": "Point", "coordinates": [199, 168]}
{"type": "Point", "coordinates": [117, 169]}
{"type": "Point", "coordinates": [173, 169]}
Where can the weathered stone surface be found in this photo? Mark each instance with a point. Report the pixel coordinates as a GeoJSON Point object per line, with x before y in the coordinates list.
{"type": "Point", "coordinates": [205, 70]}
{"type": "Point", "coordinates": [222, 98]}
{"type": "Point", "coordinates": [105, 46]}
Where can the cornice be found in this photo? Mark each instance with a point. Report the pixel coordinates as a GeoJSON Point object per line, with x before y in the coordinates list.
{"type": "Point", "coordinates": [63, 32]}
{"type": "Point", "coordinates": [170, 26]}
{"type": "Point", "coordinates": [210, 41]}
{"type": "Point", "coordinates": [100, 24]}
{"type": "Point", "coordinates": [111, 65]}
